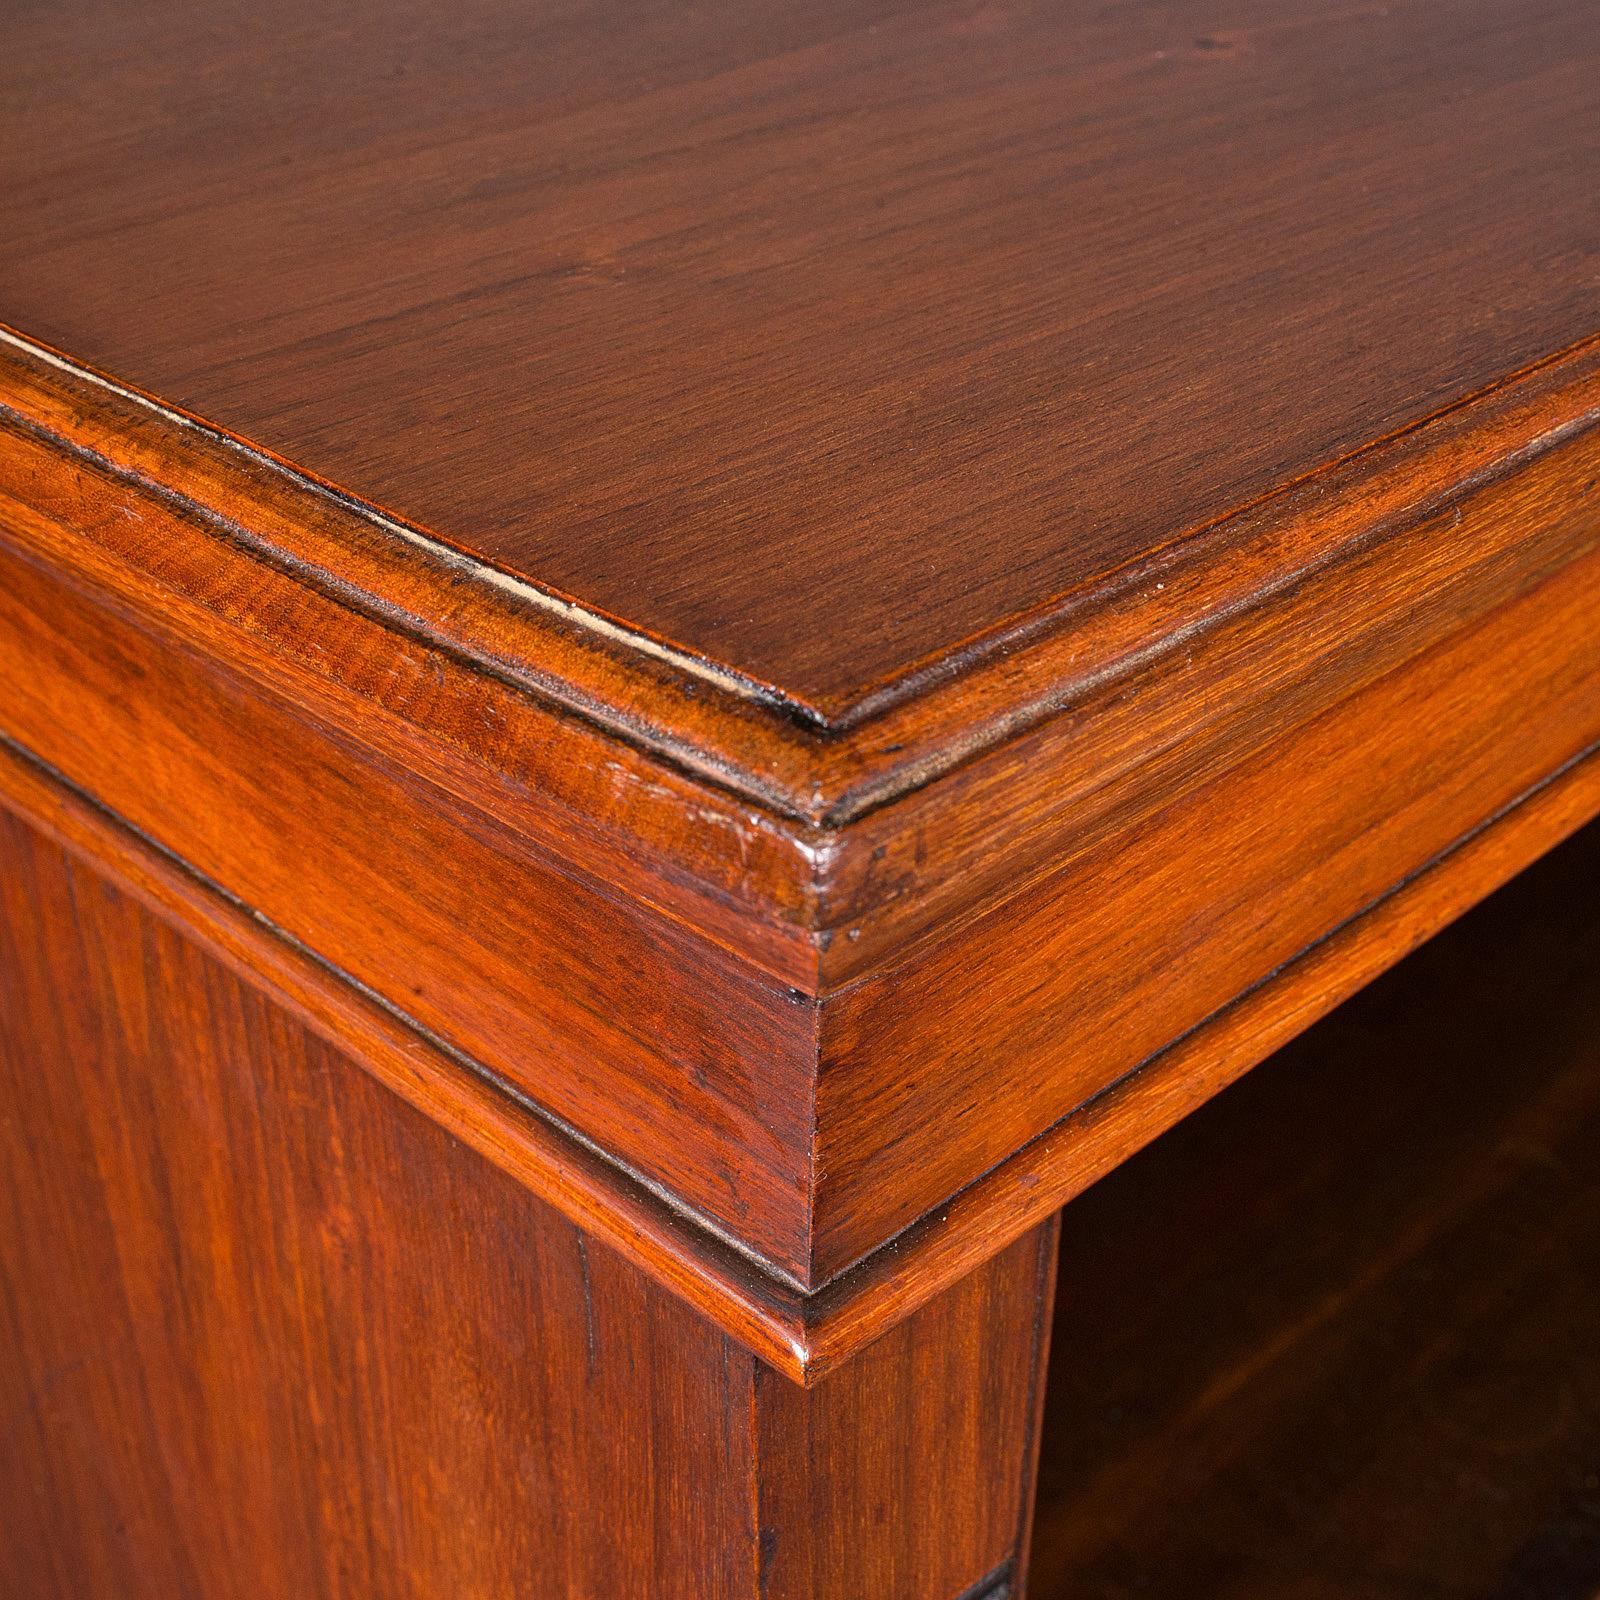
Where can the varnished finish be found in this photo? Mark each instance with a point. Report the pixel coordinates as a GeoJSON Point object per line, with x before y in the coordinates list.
{"type": "Point", "coordinates": [698, 661]}
{"type": "Point", "coordinates": [271, 1333]}
{"type": "Point", "coordinates": [1357, 1356]}
{"type": "Point", "coordinates": [821, 339]}
{"type": "Point", "coordinates": [806, 1335]}
{"type": "Point", "coordinates": [815, 1103]}
{"type": "Point", "coordinates": [1108, 1129]}
{"type": "Point", "coordinates": [675, 1054]}
{"type": "Point", "coordinates": [766, 1317]}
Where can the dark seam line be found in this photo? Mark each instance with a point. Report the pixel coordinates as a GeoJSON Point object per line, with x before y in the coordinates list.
{"type": "Point", "coordinates": [561, 696]}
{"type": "Point", "coordinates": [954, 662]}
{"type": "Point", "coordinates": [1003, 728]}
{"type": "Point", "coordinates": [1046, 615]}
{"type": "Point", "coordinates": [680, 1215]}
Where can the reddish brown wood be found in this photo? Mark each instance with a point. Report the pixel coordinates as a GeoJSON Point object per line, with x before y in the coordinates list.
{"type": "Point", "coordinates": [1098, 1136]}
{"type": "Point", "coordinates": [1172, 901]}
{"type": "Point", "coordinates": [767, 1317]}
{"type": "Point", "coordinates": [801, 627]}
{"type": "Point", "coordinates": [821, 339]}
{"type": "Point", "coordinates": [677, 1057]}
{"type": "Point", "coordinates": [1241, 784]}
{"type": "Point", "coordinates": [1357, 1360]}
{"type": "Point", "coordinates": [270, 1332]}
{"type": "Point", "coordinates": [910, 1471]}
{"type": "Point", "coordinates": [806, 1335]}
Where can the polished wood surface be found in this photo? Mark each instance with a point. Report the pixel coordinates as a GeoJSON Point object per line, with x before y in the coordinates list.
{"type": "Point", "coordinates": [1337, 1335]}
{"type": "Point", "coordinates": [1117, 875]}
{"type": "Point", "coordinates": [674, 1054]}
{"type": "Point", "coordinates": [271, 1333]}
{"type": "Point", "coordinates": [692, 664]}
{"type": "Point", "coordinates": [1041, 922]}
{"type": "Point", "coordinates": [817, 340]}
{"type": "Point", "coordinates": [802, 1334]}
{"type": "Point", "coordinates": [1220, 862]}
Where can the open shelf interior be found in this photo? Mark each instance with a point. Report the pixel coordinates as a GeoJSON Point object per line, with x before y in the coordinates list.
{"type": "Point", "coordinates": [1337, 1337]}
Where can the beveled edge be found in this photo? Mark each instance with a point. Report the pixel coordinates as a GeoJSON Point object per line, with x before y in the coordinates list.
{"type": "Point", "coordinates": [1099, 1135]}
{"type": "Point", "coordinates": [450, 1088]}
{"type": "Point", "coordinates": [819, 852]}
{"type": "Point", "coordinates": [817, 768]}
{"type": "Point", "coordinates": [688, 712]}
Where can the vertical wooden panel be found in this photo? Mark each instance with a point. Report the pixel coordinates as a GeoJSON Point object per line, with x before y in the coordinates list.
{"type": "Point", "coordinates": [271, 1334]}
{"type": "Point", "coordinates": [907, 1473]}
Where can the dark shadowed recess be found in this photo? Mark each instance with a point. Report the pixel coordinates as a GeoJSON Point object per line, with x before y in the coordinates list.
{"type": "Point", "coordinates": [1337, 1337]}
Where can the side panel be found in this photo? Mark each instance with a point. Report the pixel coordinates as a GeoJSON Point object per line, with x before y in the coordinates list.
{"type": "Point", "coordinates": [271, 1334]}
{"type": "Point", "coordinates": [908, 1472]}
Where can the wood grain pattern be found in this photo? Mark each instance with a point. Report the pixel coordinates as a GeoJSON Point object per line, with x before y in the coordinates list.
{"type": "Point", "coordinates": [1107, 1130]}
{"type": "Point", "coordinates": [1183, 830]}
{"type": "Point", "coordinates": [270, 1332]}
{"type": "Point", "coordinates": [818, 341]}
{"type": "Point", "coordinates": [807, 1335]}
{"type": "Point", "coordinates": [802, 626]}
{"type": "Point", "coordinates": [911, 1470]}
{"type": "Point", "coordinates": [681, 1060]}
{"type": "Point", "coordinates": [763, 1314]}
{"type": "Point", "coordinates": [1357, 1361]}
{"type": "Point", "coordinates": [830, 979]}
{"type": "Point", "coordinates": [1155, 921]}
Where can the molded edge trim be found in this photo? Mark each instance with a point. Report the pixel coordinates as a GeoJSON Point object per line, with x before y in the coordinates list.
{"type": "Point", "coordinates": [725, 729]}
{"type": "Point", "coordinates": [1090, 1141]}
{"type": "Point", "coordinates": [804, 1336]}
{"type": "Point", "coordinates": [687, 714]}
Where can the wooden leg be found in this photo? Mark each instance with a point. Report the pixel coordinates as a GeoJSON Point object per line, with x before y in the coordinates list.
{"type": "Point", "coordinates": [271, 1334]}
